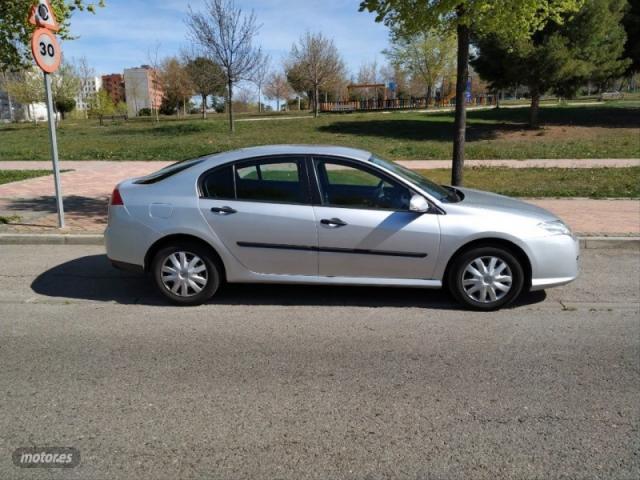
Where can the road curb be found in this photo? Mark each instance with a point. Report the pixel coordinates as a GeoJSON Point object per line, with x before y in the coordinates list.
{"type": "Point", "coordinates": [98, 239]}
{"type": "Point", "coordinates": [609, 242]}
{"type": "Point", "coordinates": [51, 239]}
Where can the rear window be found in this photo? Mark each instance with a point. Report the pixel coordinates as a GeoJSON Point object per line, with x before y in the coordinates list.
{"type": "Point", "coordinates": [169, 171]}
{"type": "Point", "coordinates": [219, 183]}
{"type": "Point", "coordinates": [269, 179]}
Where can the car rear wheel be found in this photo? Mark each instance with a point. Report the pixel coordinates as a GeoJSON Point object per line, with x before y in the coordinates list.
{"type": "Point", "coordinates": [486, 278]}
{"type": "Point", "coordinates": [186, 274]}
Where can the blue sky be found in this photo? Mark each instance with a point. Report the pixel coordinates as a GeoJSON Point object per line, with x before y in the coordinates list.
{"type": "Point", "coordinates": [124, 33]}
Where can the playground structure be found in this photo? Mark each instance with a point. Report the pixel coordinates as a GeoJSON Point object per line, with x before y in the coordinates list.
{"type": "Point", "coordinates": [384, 98]}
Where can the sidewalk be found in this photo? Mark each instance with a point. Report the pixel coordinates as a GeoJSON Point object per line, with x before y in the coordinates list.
{"type": "Point", "coordinates": [88, 186]}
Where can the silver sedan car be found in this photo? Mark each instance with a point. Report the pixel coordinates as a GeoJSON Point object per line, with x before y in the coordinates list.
{"type": "Point", "coordinates": [330, 215]}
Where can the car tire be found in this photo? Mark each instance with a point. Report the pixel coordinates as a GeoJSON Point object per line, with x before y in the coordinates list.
{"type": "Point", "coordinates": [479, 277]}
{"type": "Point", "coordinates": [194, 263]}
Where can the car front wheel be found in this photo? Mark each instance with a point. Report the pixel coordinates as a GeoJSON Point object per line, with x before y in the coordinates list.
{"type": "Point", "coordinates": [486, 278]}
{"type": "Point", "coordinates": [186, 274]}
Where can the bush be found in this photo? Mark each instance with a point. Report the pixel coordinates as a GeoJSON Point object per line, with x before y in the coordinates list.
{"type": "Point", "coordinates": [144, 112]}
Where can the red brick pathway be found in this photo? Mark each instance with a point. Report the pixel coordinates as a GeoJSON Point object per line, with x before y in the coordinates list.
{"type": "Point", "coordinates": [86, 191]}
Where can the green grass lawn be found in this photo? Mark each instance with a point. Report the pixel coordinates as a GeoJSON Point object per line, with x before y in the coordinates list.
{"type": "Point", "coordinates": [7, 176]}
{"type": "Point", "coordinates": [548, 182]}
{"type": "Point", "coordinates": [593, 131]}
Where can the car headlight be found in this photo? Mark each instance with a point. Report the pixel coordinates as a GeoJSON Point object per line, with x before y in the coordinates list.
{"type": "Point", "coordinates": [555, 227]}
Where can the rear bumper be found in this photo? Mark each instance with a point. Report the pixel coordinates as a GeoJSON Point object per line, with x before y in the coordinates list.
{"type": "Point", "coordinates": [126, 240]}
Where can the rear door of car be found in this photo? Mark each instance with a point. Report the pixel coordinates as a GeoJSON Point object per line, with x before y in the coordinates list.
{"type": "Point", "coordinates": [261, 210]}
{"type": "Point", "coordinates": [365, 228]}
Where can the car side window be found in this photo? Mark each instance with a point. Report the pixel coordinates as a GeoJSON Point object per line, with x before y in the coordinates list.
{"type": "Point", "coordinates": [219, 183]}
{"type": "Point", "coordinates": [347, 185]}
{"type": "Point", "coordinates": [271, 180]}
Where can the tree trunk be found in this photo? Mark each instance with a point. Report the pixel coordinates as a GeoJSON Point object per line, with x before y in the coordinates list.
{"type": "Point", "coordinates": [11, 116]}
{"type": "Point", "coordinates": [535, 109]}
{"type": "Point", "coordinates": [277, 104]}
{"type": "Point", "coordinates": [429, 94]}
{"type": "Point", "coordinates": [204, 106]}
{"type": "Point", "coordinates": [461, 111]}
{"type": "Point", "coordinates": [259, 99]}
{"type": "Point", "coordinates": [315, 102]}
{"type": "Point", "coordinates": [498, 94]}
{"type": "Point", "coordinates": [231, 125]}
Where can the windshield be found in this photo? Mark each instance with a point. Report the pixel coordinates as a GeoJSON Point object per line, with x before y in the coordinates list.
{"type": "Point", "coordinates": [438, 192]}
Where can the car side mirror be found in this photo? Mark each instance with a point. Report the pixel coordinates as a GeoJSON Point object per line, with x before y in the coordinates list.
{"type": "Point", "coordinates": [418, 204]}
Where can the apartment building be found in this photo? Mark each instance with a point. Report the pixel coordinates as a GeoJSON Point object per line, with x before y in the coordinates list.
{"type": "Point", "coordinates": [142, 89]}
{"type": "Point", "coordinates": [88, 88]}
{"type": "Point", "coordinates": [114, 86]}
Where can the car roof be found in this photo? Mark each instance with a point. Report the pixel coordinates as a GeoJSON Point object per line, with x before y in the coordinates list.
{"type": "Point", "coordinates": [264, 150]}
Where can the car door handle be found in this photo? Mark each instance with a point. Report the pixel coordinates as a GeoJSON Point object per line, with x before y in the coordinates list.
{"type": "Point", "coordinates": [333, 222]}
{"type": "Point", "coordinates": [223, 210]}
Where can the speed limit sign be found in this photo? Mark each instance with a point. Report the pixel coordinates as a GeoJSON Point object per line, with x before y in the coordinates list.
{"type": "Point", "coordinates": [46, 50]}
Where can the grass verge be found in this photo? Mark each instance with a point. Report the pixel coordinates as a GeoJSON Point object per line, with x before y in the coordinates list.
{"type": "Point", "coordinates": [8, 176]}
{"type": "Point", "coordinates": [548, 182]}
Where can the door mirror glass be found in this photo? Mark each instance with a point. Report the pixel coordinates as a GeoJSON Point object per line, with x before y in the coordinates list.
{"type": "Point", "coordinates": [418, 204]}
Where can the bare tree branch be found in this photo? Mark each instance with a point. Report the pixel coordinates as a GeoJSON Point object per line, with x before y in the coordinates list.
{"type": "Point", "coordinates": [225, 33]}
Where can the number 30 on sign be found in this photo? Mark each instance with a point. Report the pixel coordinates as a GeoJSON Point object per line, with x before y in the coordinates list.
{"type": "Point", "coordinates": [46, 50]}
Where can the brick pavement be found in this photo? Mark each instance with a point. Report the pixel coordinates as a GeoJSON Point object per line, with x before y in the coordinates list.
{"type": "Point", "coordinates": [87, 187]}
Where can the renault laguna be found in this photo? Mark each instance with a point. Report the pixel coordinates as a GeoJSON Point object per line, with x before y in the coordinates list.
{"type": "Point", "coordinates": [330, 215]}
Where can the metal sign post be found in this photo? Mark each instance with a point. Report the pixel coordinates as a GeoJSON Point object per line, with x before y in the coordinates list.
{"type": "Point", "coordinates": [47, 54]}
{"type": "Point", "coordinates": [54, 148]}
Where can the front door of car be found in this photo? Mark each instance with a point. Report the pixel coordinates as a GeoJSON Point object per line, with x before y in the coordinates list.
{"type": "Point", "coordinates": [365, 228]}
{"type": "Point", "coordinates": [260, 209]}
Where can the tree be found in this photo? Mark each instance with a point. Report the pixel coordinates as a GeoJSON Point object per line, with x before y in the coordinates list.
{"type": "Point", "coordinates": [631, 22]}
{"type": "Point", "coordinates": [368, 74]}
{"type": "Point", "coordinates": [176, 85]}
{"type": "Point", "coordinates": [65, 86]}
{"type": "Point", "coordinates": [427, 55]}
{"type": "Point", "coordinates": [392, 73]}
{"type": "Point", "coordinates": [277, 88]}
{"type": "Point", "coordinates": [85, 73]}
{"type": "Point", "coordinates": [101, 105]}
{"type": "Point", "coordinates": [260, 76]}
{"type": "Point", "coordinates": [226, 34]}
{"type": "Point", "coordinates": [508, 19]}
{"type": "Point", "coordinates": [27, 88]}
{"type": "Point", "coordinates": [64, 105]}
{"type": "Point", "coordinates": [155, 79]}
{"type": "Point", "coordinates": [586, 46]}
{"type": "Point", "coordinates": [5, 79]}
{"type": "Point", "coordinates": [121, 109]}
{"type": "Point", "coordinates": [15, 31]}
{"type": "Point", "coordinates": [297, 82]}
{"type": "Point", "coordinates": [207, 79]}
{"type": "Point", "coordinates": [314, 64]}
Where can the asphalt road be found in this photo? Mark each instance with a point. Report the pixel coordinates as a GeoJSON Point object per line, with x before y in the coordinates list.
{"type": "Point", "coordinates": [309, 382]}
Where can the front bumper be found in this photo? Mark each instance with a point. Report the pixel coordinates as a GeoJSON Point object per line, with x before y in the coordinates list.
{"type": "Point", "coordinates": [554, 261]}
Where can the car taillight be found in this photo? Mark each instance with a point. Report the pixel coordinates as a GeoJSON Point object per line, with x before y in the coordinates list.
{"type": "Point", "coordinates": [116, 198]}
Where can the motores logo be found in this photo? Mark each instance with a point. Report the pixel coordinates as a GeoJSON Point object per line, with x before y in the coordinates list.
{"type": "Point", "coordinates": [47, 457]}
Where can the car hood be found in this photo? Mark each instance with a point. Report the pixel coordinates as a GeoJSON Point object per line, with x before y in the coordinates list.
{"type": "Point", "coordinates": [491, 201]}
